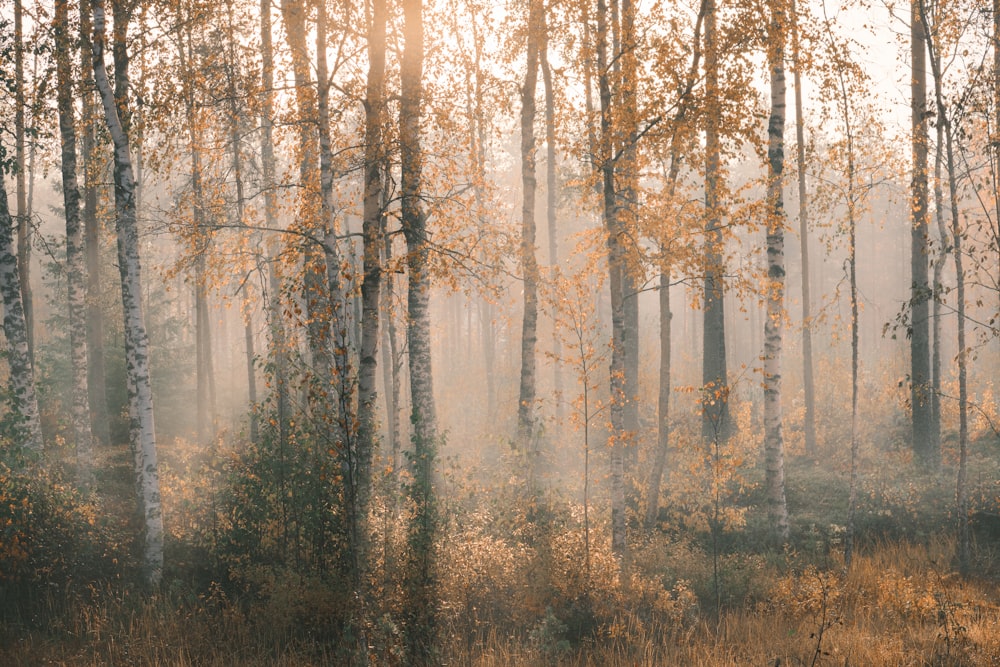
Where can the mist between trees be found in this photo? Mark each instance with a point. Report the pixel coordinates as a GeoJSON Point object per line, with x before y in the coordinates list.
{"type": "Point", "coordinates": [584, 332]}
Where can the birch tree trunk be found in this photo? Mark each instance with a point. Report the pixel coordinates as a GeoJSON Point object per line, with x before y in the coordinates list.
{"type": "Point", "coordinates": [529, 262]}
{"type": "Point", "coordinates": [371, 231]}
{"type": "Point", "coordinates": [136, 341]}
{"type": "Point", "coordinates": [775, 286]}
{"type": "Point", "coordinates": [76, 277]}
{"type": "Point", "coordinates": [23, 207]}
{"type": "Point", "coordinates": [421, 627]}
{"type": "Point", "coordinates": [22, 380]}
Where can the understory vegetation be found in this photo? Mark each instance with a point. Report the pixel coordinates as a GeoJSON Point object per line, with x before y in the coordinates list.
{"type": "Point", "coordinates": [255, 574]}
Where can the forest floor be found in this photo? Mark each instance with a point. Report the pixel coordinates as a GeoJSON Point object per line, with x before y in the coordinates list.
{"type": "Point", "coordinates": [692, 597]}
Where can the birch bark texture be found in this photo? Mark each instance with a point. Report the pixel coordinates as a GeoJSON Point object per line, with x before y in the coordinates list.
{"type": "Point", "coordinates": [775, 285]}
{"type": "Point", "coordinates": [421, 622]}
{"type": "Point", "coordinates": [76, 270]}
{"type": "Point", "coordinates": [529, 260]}
{"type": "Point", "coordinates": [140, 394]}
{"type": "Point", "coordinates": [22, 376]}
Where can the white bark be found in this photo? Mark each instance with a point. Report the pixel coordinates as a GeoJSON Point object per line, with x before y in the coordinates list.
{"type": "Point", "coordinates": [775, 284]}
{"type": "Point", "coordinates": [136, 340]}
{"type": "Point", "coordinates": [76, 273]}
{"type": "Point", "coordinates": [22, 378]}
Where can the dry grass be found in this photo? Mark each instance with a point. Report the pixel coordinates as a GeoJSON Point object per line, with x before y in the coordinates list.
{"type": "Point", "coordinates": [899, 605]}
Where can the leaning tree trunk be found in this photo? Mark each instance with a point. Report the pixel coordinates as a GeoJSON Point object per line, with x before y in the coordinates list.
{"type": "Point", "coordinates": [529, 262]}
{"type": "Point", "coordinates": [76, 276]}
{"type": "Point", "coordinates": [421, 626]}
{"type": "Point", "coordinates": [136, 342]}
{"type": "Point", "coordinates": [774, 457]}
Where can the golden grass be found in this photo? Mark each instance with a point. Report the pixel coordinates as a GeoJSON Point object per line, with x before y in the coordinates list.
{"type": "Point", "coordinates": [901, 604]}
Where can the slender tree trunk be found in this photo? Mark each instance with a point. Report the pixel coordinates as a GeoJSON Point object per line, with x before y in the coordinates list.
{"type": "Point", "coordinates": [774, 455]}
{"type": "Point", "coordinates": [627, 172]}
{"type": "Point", "coordinates": [204, 371]}
{"type": "Point", "coordinates": [552, 210]}
{"type": "Point", "coordinates": [618, 439]}
{"type": "Point", "coordinates": [809, 423]}
{"type": "Point", "coordinates": [666, 316]}
{"type": "Point", "coordinates": [938, 265]}
{"type": "Point", "coordinates": [76, 276]}
{"type": "Point", "coordinates": [136, 341]}
{"type": "Point", "coordinates": [372, 270]}
{"type": "Point", "coordinates": [279, 345]}
{"type": "Point", "coordinates": [391, 357]}
{"type": "Point", "coordinates": [715, 398]}
{"type": "Point", "coordinates": [844, 103]}
{"type": "Point", "coordinates": [961, 491]}
{"type": "Point", "coordinates": [22, 380]}
{"type": "Point", "coordinates": [96, 382]}
{"type": "Point", "coordinates": [996, 139]}
{"type": "Point", "coordinates": [315, 293]}
{"type": "Point", "coordinates": [21, 190]}
{"type": "Point", "coordinates": [529, 262]}
{"type": "Point", "coordinates": [421, 627]}
{"type": "Point", "coordinates": [663, 404]}
{"type": "Point", "coordinates": [920, 402]}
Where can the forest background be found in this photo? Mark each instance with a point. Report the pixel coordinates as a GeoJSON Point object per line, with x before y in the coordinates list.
{"type": "Point", "coordinates": [522, 333]}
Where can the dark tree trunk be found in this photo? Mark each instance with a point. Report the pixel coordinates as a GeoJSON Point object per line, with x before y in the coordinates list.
{"type": "Point", "coordinates": [96, 382]}
{"type": "Point", "coordinates": [552, 209]}
{"type": "Point", "coordinates": [920, 400]}
{"type": "Point", "coordinates": [809, 423]}
{"type": "Point", "coordinates": [715, 387]}
{"type": "Point", "coordinates": [618, 438]}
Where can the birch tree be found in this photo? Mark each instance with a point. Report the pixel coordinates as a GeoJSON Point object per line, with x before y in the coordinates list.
{"type": "Point", "coordinates": [22, 377]}
{"type": "Point", "coordinates": [140, 395]}
{"type": "Point", "coordinates": [75, 266]}
{"type": "Point", "coordinates": [421, 622]}
{"type": "Point", "coordinates": [529, 261]}
{"type": "Point", "coordinates": [775, 282]}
